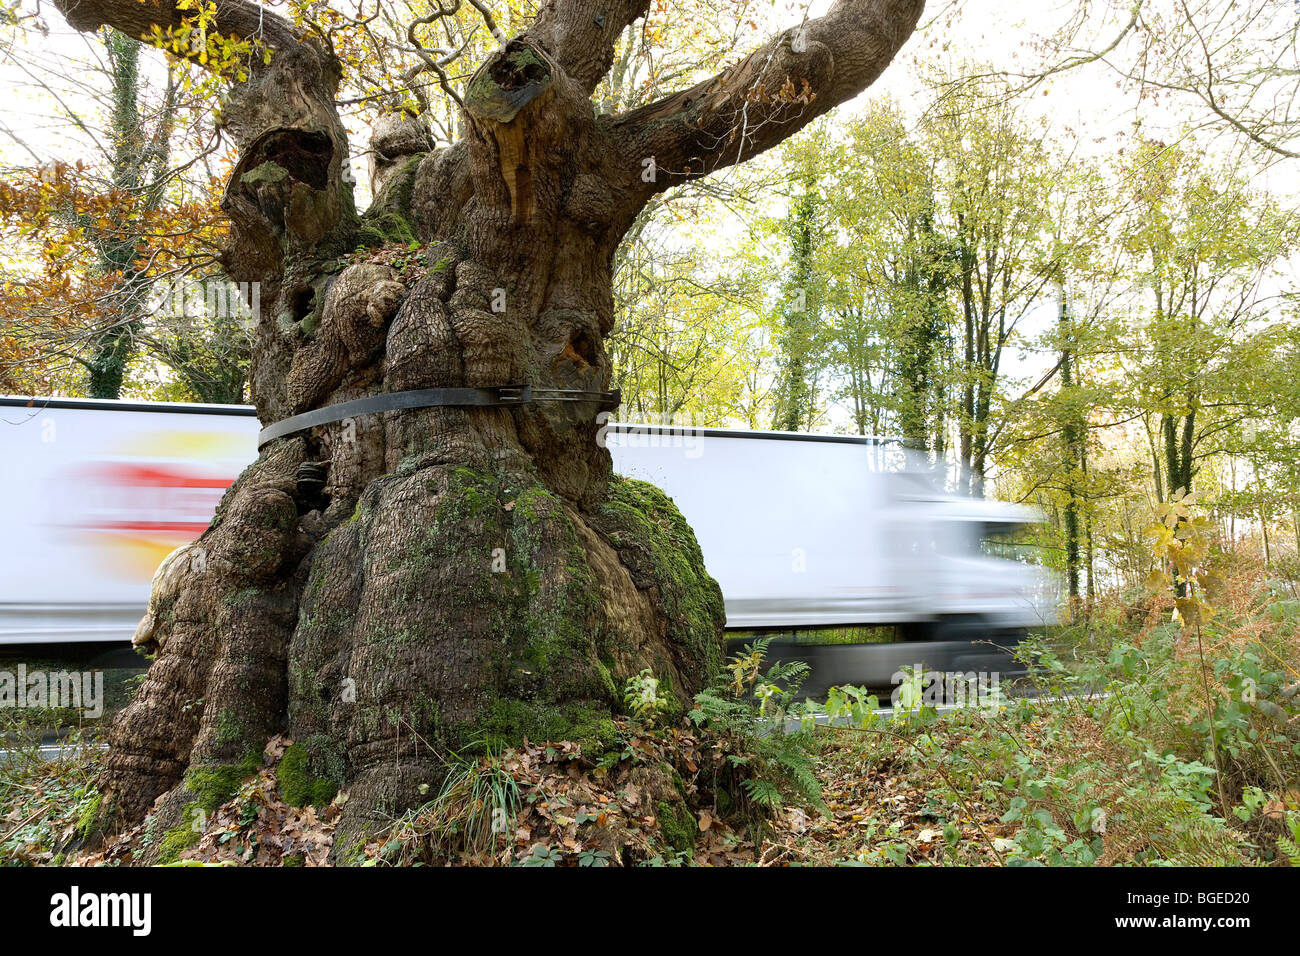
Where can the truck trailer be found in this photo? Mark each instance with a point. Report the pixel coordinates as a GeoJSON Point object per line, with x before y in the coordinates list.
{"type": "Point", "coordinates": [800, 531]}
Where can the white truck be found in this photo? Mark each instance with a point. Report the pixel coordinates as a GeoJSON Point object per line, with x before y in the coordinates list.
{"type": "Point", "coordinates": [800, 531]}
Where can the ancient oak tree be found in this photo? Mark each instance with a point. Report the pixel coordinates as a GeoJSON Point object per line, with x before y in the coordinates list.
{"type": "Point", "coordinates": [459, 573]}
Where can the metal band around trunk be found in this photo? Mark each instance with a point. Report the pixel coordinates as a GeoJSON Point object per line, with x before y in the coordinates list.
{"type": "Point", "coordinates": [494, 396]}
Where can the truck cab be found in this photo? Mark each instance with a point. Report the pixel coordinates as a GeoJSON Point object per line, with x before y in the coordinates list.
{"type": "Point", "coordinates": [978, 577]}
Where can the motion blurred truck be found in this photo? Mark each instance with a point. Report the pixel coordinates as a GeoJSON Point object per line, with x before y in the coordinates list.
{"type": "Point", "coordinates": [801, 531]}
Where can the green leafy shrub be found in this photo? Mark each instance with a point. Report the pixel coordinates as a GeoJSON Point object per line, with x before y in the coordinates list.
{"type": "Point", "coordinates": [752, 708]}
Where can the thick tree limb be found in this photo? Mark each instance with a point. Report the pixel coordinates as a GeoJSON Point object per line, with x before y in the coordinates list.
{"type": "Point", "coordinates": [287, 193]}
{"type": "Point", "coordinates": [580, 35]}
{"type": "Point", "coordinates": [766, 97]}
{"type": "Point", "coordinates": [306, 71]}
{"type": "Point", "coordinates": [240, 18]}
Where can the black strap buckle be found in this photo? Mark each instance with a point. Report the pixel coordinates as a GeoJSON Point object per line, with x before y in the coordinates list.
{"type": "Point", "coordinates": [605, 400]}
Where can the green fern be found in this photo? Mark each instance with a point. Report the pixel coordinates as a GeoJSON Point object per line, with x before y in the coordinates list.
{"type": "Point", "coordinates": [752, 707]}
{"type": "Point", "coordinates": [1289, 849]}
{"type": "Point", "coordinates": [763, 792]}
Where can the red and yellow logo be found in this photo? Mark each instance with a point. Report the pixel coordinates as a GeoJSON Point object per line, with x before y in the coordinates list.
{"type": "Point", "coordinates": [135, 503]}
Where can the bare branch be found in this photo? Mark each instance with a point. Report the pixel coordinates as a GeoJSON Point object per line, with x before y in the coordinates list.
{"type": "Point", "coordinates": [434, 60]}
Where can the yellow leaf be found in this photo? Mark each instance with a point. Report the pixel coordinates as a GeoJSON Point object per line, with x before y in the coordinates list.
{"type": "Point", "coordinates": [1189, 610]}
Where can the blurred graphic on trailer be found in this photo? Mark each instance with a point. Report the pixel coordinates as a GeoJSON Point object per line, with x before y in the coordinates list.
{"type": "Point", "coordinates": [133, 503]}
{"type": "Point", "coordinates": [94, 501]}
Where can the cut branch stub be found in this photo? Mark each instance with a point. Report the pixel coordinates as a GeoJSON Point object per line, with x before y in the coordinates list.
{"type": "Point", "coordinates": [519, 79]}
{"type": "Point", "coordinates": [508, 82]}
{"type": "Point", "coordinates": [284, 197]}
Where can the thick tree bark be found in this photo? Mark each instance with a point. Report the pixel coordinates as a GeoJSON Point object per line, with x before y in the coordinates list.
{"type": "Point", "coordinates": [464, 572]}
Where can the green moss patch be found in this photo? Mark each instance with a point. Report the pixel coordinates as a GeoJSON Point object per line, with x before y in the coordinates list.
{"type": "Point", "coordinates": [179, 838]}
{"type": "Point", "coordinates": [511, 721]}
{"type": "Point", "coordinates": [214, 784]}
{"type": "Point", "coordinates": [678, 826]}
{"type": "Point", "coordinates": [297, 785]}
{"type": "Point", "coordinates": [388, 220]}
{"type": "Point", "coordinates": [659, 549]}
{"type": "Point", "coordinates": [88, 816]}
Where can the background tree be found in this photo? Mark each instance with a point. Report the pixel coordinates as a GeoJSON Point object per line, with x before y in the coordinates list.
{"type": "Point", "coordinates": [890, 282]}
{"type": "Point", "coordinates": [687, 336]}
{"type": "Point", "coordinates": [800, 309]}
{"type": "Point", "coordinates": [1203, 248]}
{"type": "Point", "coordinates": [994, 173]}
{"type": "Point", "coordinates": [99, 245]}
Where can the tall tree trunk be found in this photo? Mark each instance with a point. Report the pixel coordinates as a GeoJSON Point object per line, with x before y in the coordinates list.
{"type": "Point", "coordinates": [795, 399]}
{"type": "Point", "coordinates": [392, 585]}
{"type": "Point", "coordinates": [966, 417]}
{"type": "Point", "coordinates": [1179, 432]}
{"type": "Point", "coordinates": [107, 364]}
{"type": "Point", "coordinates": [114, 346]}
{"type": "Point", "coordinates": [926, 282]}
{"type": "Point", "coordinates": [1263, 517]}
{"type": "Point", "coordinates": [1073, 455]}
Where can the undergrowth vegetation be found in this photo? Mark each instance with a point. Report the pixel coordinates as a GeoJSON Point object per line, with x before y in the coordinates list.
{"type": "Point", "coordinates": [42, 801]}
{"type": "Point", "coordinates": [709, 788]}
{"type": "Point", "coordinates": [1166, 732]}
{"type": "Point", "coordinates": [1170, 736]}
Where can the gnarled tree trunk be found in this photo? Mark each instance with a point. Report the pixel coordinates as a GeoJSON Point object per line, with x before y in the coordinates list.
{"type": "Point", "coordinates": [464, 572]}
